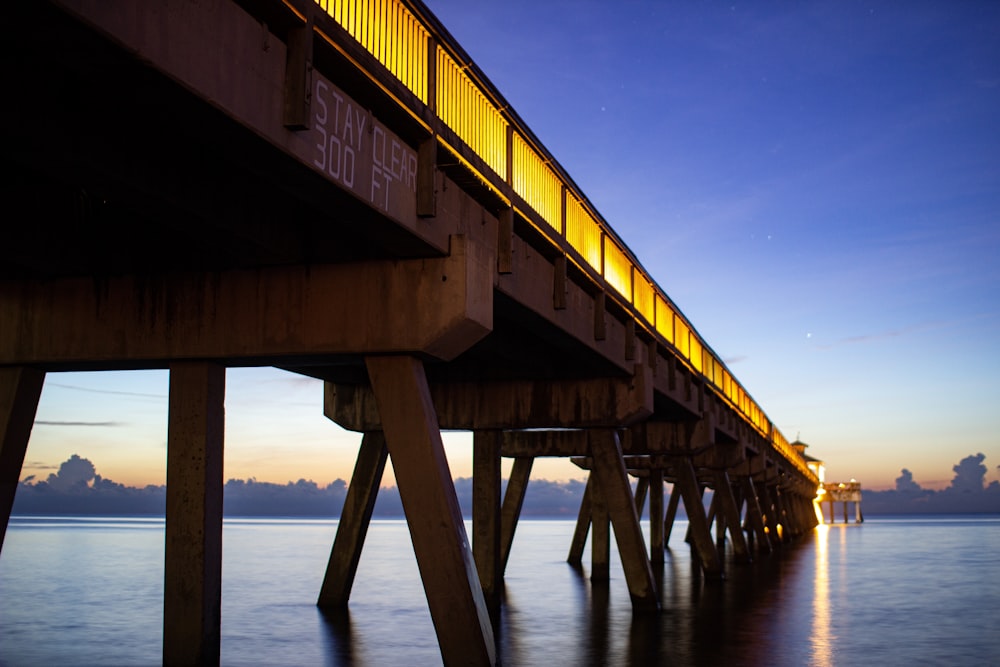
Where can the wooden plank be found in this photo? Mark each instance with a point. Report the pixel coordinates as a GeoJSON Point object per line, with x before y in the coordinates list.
{"type": "Point", "coordinates": [192, 591]}
{"type": "Point", "coordinates": [20, 389]}
{"type": "Point", "coordinates": [612, 479]}
{"type": "Point", "coordinates": [701, 537]}
{"type": "Point", "coordinates": [486, 521]}
{"type": "Point", "coordinates": [354, 520]}
{"type": "Point", "coordinates": [513, 500]}
{"type": "Point", "coordinates": [447, 567]}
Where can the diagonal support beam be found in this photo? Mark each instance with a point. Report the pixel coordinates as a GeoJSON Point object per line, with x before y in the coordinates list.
{"type": "Point", "coordinates": [754, 514]}
{"type": "Point", "coordinates": [701, 536]}
{"type": "Point", "coordinates": [641, 487]}
{"type": "Point", "coordinates": [582, 525]}
{"type": "Point", "coordinates": [730, 513]}
{"type": "Point", "coordinates": [20, 389]}
{"type": "Point", "coordinates": [447, 567]}
{"type": "Point", "coordinates": [513, 501]}
{"type": "Point", "coordinates": [354, 521]}
{"type": "Point", "coordinates": [668, 522]}
{"type": "Point", "coordinates": [656, 515]}
{"type": "Point", "coordinates": [612, 478]}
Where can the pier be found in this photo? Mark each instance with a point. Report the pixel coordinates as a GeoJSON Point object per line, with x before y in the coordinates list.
{"type": "Point", "coordinates": [334, 188]}
{"type": "Point", "coordinates": [842, 492]}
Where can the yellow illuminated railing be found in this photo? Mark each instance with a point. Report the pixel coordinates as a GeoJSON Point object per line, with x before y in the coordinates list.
{"type": "Point", "coordinates": [391, 33]}
{"type": "Point", "coordinates": [664, 319]}
{"type": "Point", "coordinates": [536, 183]}
{"type": "Point", "coordinates": [583, 234]}
{"type": "Point", "coordinates": [643, 296]}
{"type": "Point", "coordinates": [464, 108]}
{"type": "Point", "coordinates": [395, 36]}
{"type": "Point", "coordinates": [617, 269]}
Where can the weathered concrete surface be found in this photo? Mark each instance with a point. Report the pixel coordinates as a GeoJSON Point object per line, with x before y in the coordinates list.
{"type": "Point", "coordinates": [444, 556]}
{"type": "Point", "coordinates": [192, 587]}
{"type": "Point", "coordinates": [514, 404]}
{"type": "Point", "coordinates": [354, 520]}
{"type": "Point", "coordinates": [20, 389]}
{"type": "Point", "coordinates": [436, 306]}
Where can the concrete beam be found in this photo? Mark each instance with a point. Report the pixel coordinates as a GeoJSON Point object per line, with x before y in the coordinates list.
{"type": "Point", "coordinates": [545, 443]}
{"type": "Point", "coordinates": [439, 307]}
{"type": "Point", "coordinates": [20, 389]}
{"type": "Point", "coordinates": [514, 404]}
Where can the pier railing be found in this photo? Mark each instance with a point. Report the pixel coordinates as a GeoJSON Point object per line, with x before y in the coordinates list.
{"type": "Point", "coordinates": [415, 49]}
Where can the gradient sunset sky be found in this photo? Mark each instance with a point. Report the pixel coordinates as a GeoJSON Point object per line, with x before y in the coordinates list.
{"type": "Point", "coordinates": [815, 184]}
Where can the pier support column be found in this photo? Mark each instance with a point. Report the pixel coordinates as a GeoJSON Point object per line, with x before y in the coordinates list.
{"type": "Point", "coordinates": [668, 522]}
{"type": "Point", "coordinates": [20, 389]}
{"type": "Point", "coordinates": [513, 501]}
{"type": "Point", "coordinates": [579, 542]}
{"type": "Point", "coordinates": [354, 520]}
{"type": "Point", "coordinates": [600, 536]}
{"type": "Point", "coordinates": [641, 490]}
{"type": "Point", "coordinates": [192, 591]}
{"type": "Point", "coordinates": [730, 512]}
{"type": "Point", "coordinates": [701, 536]}
{"type": "Point", "coordinates": [656, 515]}
{"type": "Point", "coordinates": [447, 567]}
{"type": "Point", "coordinates": [612, 478]}
{"type": "Point", "coordinates": [755, 516]}
{"type": "Point", "coordinates": [486, 520]}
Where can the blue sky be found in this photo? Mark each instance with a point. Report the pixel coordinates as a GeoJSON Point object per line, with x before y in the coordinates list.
{"type": "Point", "coordinates": [815, 184]}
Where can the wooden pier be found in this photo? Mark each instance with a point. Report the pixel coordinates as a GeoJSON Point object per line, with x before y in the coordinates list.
{"type": "Point", "coordinates": [842, 492]}
{"type": "Point", "coordinates": [335, 189]}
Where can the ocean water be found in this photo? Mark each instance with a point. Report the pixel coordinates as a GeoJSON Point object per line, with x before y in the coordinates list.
{"type": "Point", "coordinates": [891, 591]}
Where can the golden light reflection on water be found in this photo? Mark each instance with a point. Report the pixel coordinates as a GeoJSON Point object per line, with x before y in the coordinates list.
{"type": "Point", "coordinates": [820, 638]}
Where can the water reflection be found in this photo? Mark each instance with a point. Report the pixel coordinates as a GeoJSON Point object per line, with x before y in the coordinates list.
{"type": "Point", "coordinates": [820, 639]}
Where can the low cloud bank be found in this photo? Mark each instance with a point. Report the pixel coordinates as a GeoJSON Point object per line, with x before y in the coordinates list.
{"type": "Point", "coordinates": [77, 489]}
{"type": "Point", "coordinates": [968, 493]}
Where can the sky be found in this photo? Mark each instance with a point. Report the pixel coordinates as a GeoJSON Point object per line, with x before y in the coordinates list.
{"type": "Point", "coordinates": [815, 184]}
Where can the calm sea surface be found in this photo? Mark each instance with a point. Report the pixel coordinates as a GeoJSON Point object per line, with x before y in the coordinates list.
{"type": "Point", "coordinates": [906, 591]}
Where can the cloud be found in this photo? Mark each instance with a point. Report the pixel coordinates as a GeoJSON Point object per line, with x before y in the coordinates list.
{"type": "Point", "coordinates": [729, 361]}
{"type": "Point", "coordinates": [884, 335]}
{"type": "Point", "coordinates": [44, 422]}
{"type": "Point", "coordinates": [104, 391]}
{"type": "Point", "coordinates": [39, 465]}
